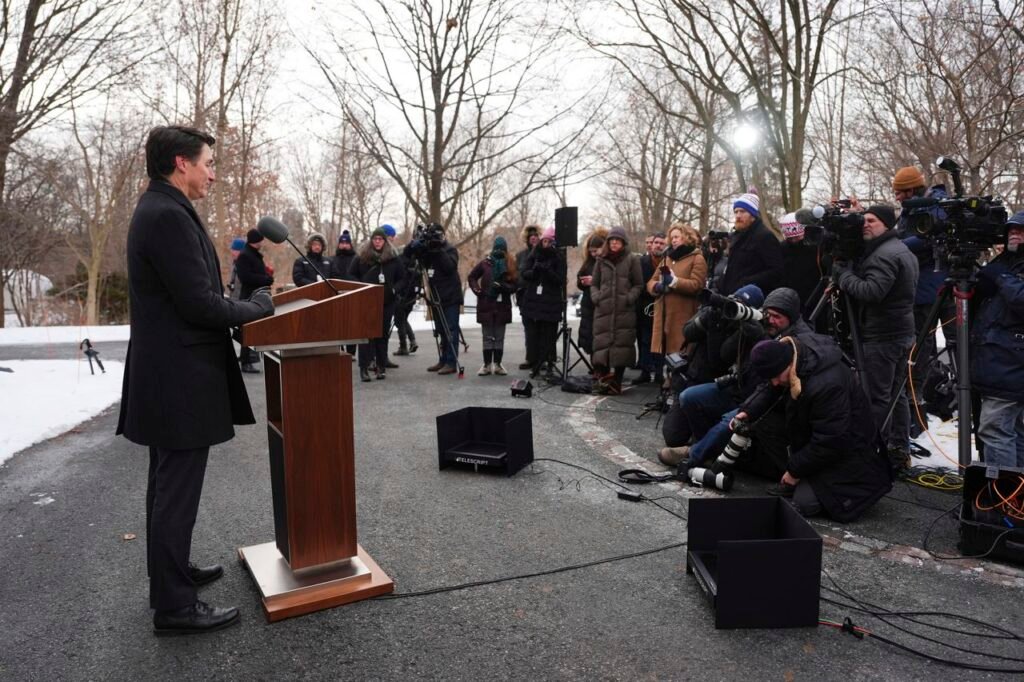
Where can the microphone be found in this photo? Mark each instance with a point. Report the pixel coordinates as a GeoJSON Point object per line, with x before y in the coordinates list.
{"type": "Point", "coordinates": [818, 212]}
{"type": "Point", "coordinates": [277, 232]}
{"type": "Point", "coordinates": [805, 216]}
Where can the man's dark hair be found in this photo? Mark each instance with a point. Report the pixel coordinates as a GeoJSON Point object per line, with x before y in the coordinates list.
{"type": "Point", "coordinates": [165, 143]}
{"type": "Point", "coordinates": [658, 235]}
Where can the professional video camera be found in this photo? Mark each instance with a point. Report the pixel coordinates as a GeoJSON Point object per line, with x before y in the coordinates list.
{"type": "Point", "coordinates": [961, 227]}
{"type": "Point", "coordinates": [842, 236]}
{"type": "Point", "coordinates": [718, 234]}
{"type": "Point", "coordinates": [426, 238]}
{"type": "Point", "coordinates": [730, 307]}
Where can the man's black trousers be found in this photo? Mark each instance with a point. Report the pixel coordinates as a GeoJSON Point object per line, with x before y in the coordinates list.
{"type": "Point", "coordinates": [172, 501]}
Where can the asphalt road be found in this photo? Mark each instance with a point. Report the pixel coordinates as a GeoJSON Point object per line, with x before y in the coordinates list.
{"type": "Point", "coordinates": [73, 589]}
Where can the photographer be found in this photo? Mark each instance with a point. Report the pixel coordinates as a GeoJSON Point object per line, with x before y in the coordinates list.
{"type": "Point", "coordinates": [832, 466]}
{"type": "Point", "coordinates": [997, 351]}
{"type": "Point", "coordinates": [882, 284]}
{"type": "Point", "coordinates": [440, 260]}
{"type": "Point", "coordinates": [907, 184]}
{"type": "Point", "coordinates": [720, 350]}
{"type": "Point", "coordinates": [755, 256]}
{"type": "Point", "coordinates": [303, 272]}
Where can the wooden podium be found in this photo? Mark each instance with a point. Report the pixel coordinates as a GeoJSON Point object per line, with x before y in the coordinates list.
{"type": "Point", "coordinates": [315, 562]}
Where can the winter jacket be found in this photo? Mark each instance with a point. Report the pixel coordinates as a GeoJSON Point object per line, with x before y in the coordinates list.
{"type": "Point", "coordinates": [442, 267]}
{"type": "Point", "coordinates": [929, 280]}
{"type": "Point", "coordinates": [303, 272]}
{"type": "Point", "coordinates": [341, 264]}
{"type": "Point", "coordinates": [252, 272]}
{"type": "Point", "coordinates": [182, 388]}
{"type": "Point", "coordinates": [882, 284]}
{"type": "Point", "coordinates": [493, 303]}
{"type": "Point", "coordinates": [674, 306]}
{"type": "Point", "coordinates": [831, 433]}
{"type": "Point", "coordinates": [616, 286]}
{"type": "Point", "coordinates": [585, 333]}
{"type": "Point", "coordinates": [755, 257]}
{"type": "Point", "coordinates": [383, 268]}
{"type": "Point", "coordinates": [541, 280]}
{"type": "Point", "coordinates": [521, 259]}
{"type": "Point", "coordinates": [997, 332]}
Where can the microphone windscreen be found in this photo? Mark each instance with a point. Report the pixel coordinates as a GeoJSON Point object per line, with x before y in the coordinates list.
{"type": "Point", "coordinates": [273, 229]}
{"type": "Point", "coordinates": [805, 216]}
{"type": "Point", "coordinates": [818, 212]}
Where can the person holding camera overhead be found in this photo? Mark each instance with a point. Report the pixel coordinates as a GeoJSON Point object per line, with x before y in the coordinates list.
{"type": "Point", "coordinates": [617, 283]}
{"type": "Point", "coordinates": [377, 262]}
{"type": "Point", "coordinates": [493, 280]}
{"type": "Point", "coordinates": [440, 260]}
{"type": "Point", "coordinates": [881, 284]}
{"type": "Point", "coordinates": [675, 284]}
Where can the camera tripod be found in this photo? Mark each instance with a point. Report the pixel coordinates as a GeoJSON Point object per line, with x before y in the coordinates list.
{"type": "Point", "coordinates": [436, 311]}
{"type": "Point", "coordinates": [829, 291]}
{"type": "Point", "coordinates": [565, 331]}
{"type": "Point", "coordinates": [959, 287]}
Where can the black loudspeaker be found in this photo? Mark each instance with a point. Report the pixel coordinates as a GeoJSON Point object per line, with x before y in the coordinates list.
{"type": "Point", "coordinates": [757, 560]}
{"type": "Point", "coordinates": [566, 224]}
{"type": "Point", "coordinates": [490, 438]}
{"type": "Point", "coordinates": [521, 388]}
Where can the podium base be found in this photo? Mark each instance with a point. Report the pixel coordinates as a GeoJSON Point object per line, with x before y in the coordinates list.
{"type": "Point", "coordinates": [286, 593]}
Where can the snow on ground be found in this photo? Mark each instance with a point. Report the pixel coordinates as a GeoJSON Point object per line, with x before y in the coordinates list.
{"type": "Point", "coordinates": [45, 398]}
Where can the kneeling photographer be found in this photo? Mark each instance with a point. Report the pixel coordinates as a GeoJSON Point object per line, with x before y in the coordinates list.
{"type": "Point", "coordinates": [781, 317]}
{"type": "Point", "coordinates": [440, 261]}
{"type": "Point", "coordinates": [881, 284]}
{"type": "Point", "coordinates": [715, 380]}
{"type": "Point", "coordinates": [832, 466]}
{"type": "Point", "coordinates": [997, 351]}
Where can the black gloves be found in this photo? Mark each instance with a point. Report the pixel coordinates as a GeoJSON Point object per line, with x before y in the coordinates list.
{"type": "Point", "coordinates": [261, 297]}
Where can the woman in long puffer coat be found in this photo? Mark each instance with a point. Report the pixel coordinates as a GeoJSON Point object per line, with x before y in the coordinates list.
{"type": "Point", "coordinates": [617, 283]}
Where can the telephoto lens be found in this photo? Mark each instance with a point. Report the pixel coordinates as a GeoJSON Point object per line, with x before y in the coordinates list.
{"type": "Point", "coordinates": [734, 310]}
{"type": "Point", "coordinates": [734, 449]}
{"type": "Point", "coordinates": [706, 478]}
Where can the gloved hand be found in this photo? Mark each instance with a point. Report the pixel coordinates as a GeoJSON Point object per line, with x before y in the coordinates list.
{"type": "Point", "coordinates": [261, 297]}
{"type": "Point", "coordinates": [659, 288]}
{"type": "Point", "coordinates": [988, 279]}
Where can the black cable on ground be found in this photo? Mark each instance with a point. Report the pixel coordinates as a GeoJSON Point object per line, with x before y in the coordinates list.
{"type": "Point", "coordinates": [523, 576]}
{"type": "Point", "coordinates": [940, 557]}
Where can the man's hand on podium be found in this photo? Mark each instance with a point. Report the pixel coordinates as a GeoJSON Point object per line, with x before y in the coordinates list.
{"type": "Point", "coordinates": [261, 297]}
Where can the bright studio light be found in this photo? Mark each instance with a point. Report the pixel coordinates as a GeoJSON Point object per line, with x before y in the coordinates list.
{"type": "Point", "coordinates": [745, 136]}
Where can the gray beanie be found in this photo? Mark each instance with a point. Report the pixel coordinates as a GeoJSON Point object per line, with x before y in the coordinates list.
{"type": "Point", "coordinates": [786, 301]}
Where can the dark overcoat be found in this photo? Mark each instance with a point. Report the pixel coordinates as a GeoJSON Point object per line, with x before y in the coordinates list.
{"type": "Point", "coordinates": [252, 271]}
{"type": "Point", "coordinates": [615, 288]}
{"type": "Point", "coordinates": [493, 303]}
{"type": "Point", "coordinates": [997, 333]}
{"type": "Point", "coordinates": [755, 257]}
{"type": "Point", "coordinates": [542, 279]}
{"type": "Point", "coordinates": [182, 385]}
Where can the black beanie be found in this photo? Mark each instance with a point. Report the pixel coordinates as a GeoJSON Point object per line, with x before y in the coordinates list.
{"type": "Point", "coordinates": [253, 237]}
{"type": "Point", "coordinates": [786, 301]}
{"type": "Point", "coordinates": [769, 358]}
{"type": "Point", "coordinates": [884, 213]}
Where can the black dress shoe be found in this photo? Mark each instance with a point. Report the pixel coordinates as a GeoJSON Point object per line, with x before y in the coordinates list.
{"type": "Point", "coordinates": [194, 619]}
{"type": "Point", "coordinates": [250, 368]}
{"type": "Point", "coordinates": [206, 574]}
{"type": "Point", "coordinates": [390, 365]}
{"type": "Point", "coordinates": [364, 374]}
{"type": "Point", "coordinates": [381, 375]}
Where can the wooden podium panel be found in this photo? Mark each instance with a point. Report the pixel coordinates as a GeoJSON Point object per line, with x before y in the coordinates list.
{"type": "Point", "coordinates": [315, 561]}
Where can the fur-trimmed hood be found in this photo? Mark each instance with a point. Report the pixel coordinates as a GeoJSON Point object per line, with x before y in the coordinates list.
{"type": "Point", "coordinates": [366, 254]}
{"type": "Point", "coordinates": [527, 231]}
{"type": "Point", "coordinates": [317, 237]}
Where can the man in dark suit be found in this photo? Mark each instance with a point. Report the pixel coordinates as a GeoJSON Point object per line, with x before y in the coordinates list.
{"type": "Point", "coordinates": [182, 387]}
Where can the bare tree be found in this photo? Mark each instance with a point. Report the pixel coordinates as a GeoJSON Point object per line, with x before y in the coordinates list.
{"type": "Point", "coordinates": [54, 52]}
{"type": "Point", "coordinates": [440, 99]}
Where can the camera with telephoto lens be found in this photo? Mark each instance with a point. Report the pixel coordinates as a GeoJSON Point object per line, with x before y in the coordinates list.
{"type": "Point", "coordinates": [961, 227]}
{"type": "Point", "coordinates": [718, 234]}
{"type": "Point", "coordinates": [706, 478]}
{"type": "Point", "coordinates": [730, 307]}
{"type": "Point", "coordinates": [738, 443]}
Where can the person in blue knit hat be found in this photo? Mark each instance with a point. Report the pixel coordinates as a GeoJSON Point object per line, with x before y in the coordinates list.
{"type": "Point", "coordinates": [755, 254]}
{"type": "Point", "coordinates": [233, 290]}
